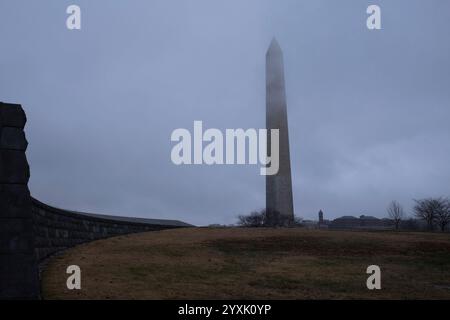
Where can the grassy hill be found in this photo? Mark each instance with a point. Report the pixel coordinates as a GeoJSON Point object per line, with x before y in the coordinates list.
{"type": "Point", "coordinates": [235, 263]}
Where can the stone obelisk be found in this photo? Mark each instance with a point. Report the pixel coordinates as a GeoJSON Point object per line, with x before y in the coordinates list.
{"type": "Point", "coordinates": [279, 186]}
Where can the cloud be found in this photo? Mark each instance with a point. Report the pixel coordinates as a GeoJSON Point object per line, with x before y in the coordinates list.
{"type": "Point", "coordinates": [367, 111]}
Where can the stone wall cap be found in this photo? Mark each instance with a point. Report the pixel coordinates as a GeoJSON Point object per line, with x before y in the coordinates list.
{"type": "Point", "coordinates": [118, 219]}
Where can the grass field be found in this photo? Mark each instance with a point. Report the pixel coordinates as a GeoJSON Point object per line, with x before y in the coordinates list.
{"type": "Point", "coordinates": [235, 263]}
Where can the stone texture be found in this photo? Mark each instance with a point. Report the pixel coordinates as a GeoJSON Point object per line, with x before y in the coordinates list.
{"type": "Point", "coordinates": [279, 186]}
{"type": "Point", "coordinates": [18, 277]}
{"type": "Point", "coordinates": [13, 138]}
{"type": "Point", "coordinates": [14, 167]}
{"type": "Point", "coordinates": [13, 197]}
{"type": "Point", "coordinates": [57, 229]}
{"type": "Point", "coordinates": [12, 115]}
{"type": "Point", "coordinates": [16, 236]}
{"type": "Point", "coordinates": [18, 268]}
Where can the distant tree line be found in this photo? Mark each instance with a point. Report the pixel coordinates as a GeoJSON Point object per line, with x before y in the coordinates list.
{"type": "Point", "coordinates": [435, 212]}
{"type": "Point", "coordinates": [265, 218]}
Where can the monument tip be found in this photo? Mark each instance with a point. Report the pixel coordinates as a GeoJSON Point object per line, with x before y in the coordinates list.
{"type": "Point", "coordinates": [274, 46]}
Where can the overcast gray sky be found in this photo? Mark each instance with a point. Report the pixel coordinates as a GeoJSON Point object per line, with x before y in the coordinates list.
{"type": "Point", "coordinates": [368, 110]}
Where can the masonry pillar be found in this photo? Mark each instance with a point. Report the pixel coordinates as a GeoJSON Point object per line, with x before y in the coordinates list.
{"type": "Point", "coordinates": [18, 267]}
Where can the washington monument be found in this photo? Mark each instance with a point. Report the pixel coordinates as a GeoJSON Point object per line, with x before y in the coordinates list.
{"type": "Point", "coordinates": [279, 186]}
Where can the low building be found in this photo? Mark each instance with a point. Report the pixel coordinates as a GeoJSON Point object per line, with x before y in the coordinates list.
{"type": "Point", "coordinates": [363, 222]}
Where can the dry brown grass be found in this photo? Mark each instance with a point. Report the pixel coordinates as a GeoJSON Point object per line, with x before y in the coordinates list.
{"type": "Point", "coordinates": [203, 263]}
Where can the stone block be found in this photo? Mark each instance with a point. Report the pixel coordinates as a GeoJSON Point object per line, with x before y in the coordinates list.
{"type": "Point", "coordinates": [13, 167]}
{"type": "Point", "coordinates": [15, 201]}
{"type": "Point", "coordinates": [13, 138]}
{"type": "Point", "coordinates": [16, 236]}
{"type": "Point", "coordinates": [12, 115]}
{"type": "Point", "coordinates": [18, 277]}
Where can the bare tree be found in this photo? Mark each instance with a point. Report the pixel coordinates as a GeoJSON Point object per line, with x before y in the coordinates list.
{"type": "Point", "coordinates": [395, 211]}
{"type": "Point", "coordinates": [442, 218]}
{"type": "Point", "coordinates": [253, 220]}
{"type": "Point", "coordinates": [265, 218]}
{"type": "Point", "coordinates": [429, 209]}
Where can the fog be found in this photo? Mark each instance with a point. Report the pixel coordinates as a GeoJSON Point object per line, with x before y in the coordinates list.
{"type": "Point", "coordinates": [368, 110]}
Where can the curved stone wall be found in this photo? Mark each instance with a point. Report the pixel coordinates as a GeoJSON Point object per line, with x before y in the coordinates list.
{"type": "Point", "coordinates": [30, 231]}
{"type": "Point", "coordinates": [56, 229]}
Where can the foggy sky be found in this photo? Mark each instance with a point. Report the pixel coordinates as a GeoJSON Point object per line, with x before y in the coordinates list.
{"type": "Point", "coordinates": [368, 110]}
